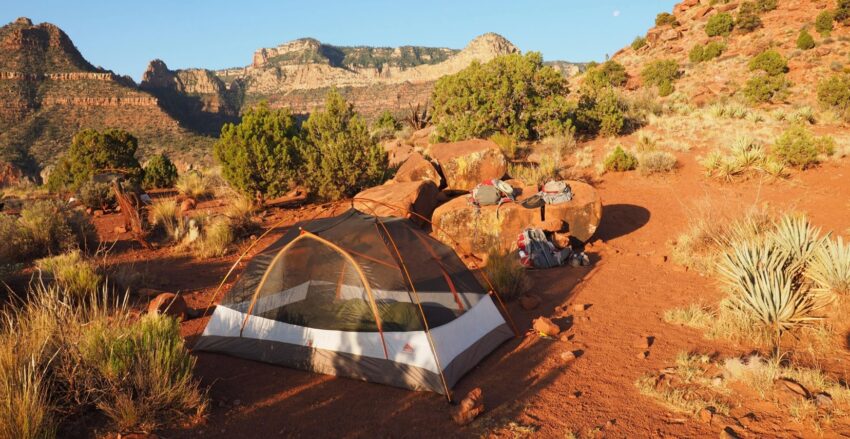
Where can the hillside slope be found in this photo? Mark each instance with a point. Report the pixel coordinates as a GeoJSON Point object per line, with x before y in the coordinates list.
{"type": "Point", "coordinates": [48, 91]}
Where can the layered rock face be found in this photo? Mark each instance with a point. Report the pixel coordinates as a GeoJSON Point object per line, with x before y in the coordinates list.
{"type": "Point", "coordinates": [48, 91]}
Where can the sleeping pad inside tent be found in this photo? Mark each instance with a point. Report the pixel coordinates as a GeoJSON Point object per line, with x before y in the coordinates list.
{"type": "Point", "coordinates": [372, 298]}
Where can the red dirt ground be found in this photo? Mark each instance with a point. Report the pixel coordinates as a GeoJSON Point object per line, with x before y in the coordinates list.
{"type": "Point", "coordinates": [526, 389]}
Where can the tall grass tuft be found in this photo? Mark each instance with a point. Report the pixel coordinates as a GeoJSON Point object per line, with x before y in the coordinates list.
{"type": "Point", "coordinates": [73, 273]}
{"type": "Point", "coordinates": [507, 275]}
{"type": "Point", "coordinates": [194, 184]}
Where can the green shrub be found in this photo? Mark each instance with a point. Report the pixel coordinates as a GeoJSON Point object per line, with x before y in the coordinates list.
{"type": "Point", "coordinates": [713, 49]}
{"type": "Point", "coordinates": [261, 153]}
{"type": "Point", "coordinates": [764, 88]}
{"type": "Point", "coordinates": [72, 273]}
{"type": "Point", "coordinates": [748, 19]}
{"type": "Point", "coordinates": [385, 126]}
{"type": "Point", "coordinates": [824, 23]}
{"type": "Point", "coordinates": [769, 61]}
{"type": "Point", "coordinates": [17, 245]}
{"type": "Point", "coordinates": [766, 5]}
{"type": "Point", "coordinates": [834, 93]}
{"type": "Point", "coordinates": [341, 158]}
{"type": "Point", "coordinates": [96, 195]}
{"type": "Point", "coordinates": [160, 173]}
{"type": "Point", "coordinates": [607, 74]}
{"type": "Point", "coordinates": [719, 25]}
{"type": "Point", "coordinates": [696, 54]}
{"type": "Point", "coordinates": [603, 114]}
{"type": "Point", "coordinates": [665, 18]}
{"type": "Point", "coordinates": [638, 43]}
{"type": "Point", "coordinates": [798, 147]}
{"type": "Point", "coordinates": [51, 229]}
{"type": "Point", "coordinates": [92, 152]}
{"type": "Point", "coordinates": [506, 143]}
{"type": "Point", "coordinates": [507, 275]}
{"type": "Point", "coordinates": [805, 40]}
{"type": "Point", "coordinates": [662, 74]}
{"type": "Point", "coordinates": [842, 11]}
{"type": "Point", "coordinates": [619, 160]}
{"type": "Point", "coordinates": [513, 94]}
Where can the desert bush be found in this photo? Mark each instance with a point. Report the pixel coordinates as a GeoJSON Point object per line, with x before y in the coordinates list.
{"type": "Point", "coordinates": [620, 160]}
{"type": "Point", "coordinates": [770, 61]}
{"type": "Point", "coordinates": [602, 76]}
{"type": "Point", "coordinates": [474, 101]}
{"type": "Point", "coordinates": [842, 11]}
{"type": "Point", "coordinates": [708, 52]}
{"type": "Point", "coordinates": [160, 173]}
{"type": "Point", "coordinates": [719, 25]}
{"type": "Point", "coordinates": [653, 162]}
{"type": "Point", "coordinates": [748, 19]}
{"type": "Point", "coordinates": [638, 43]}
{"type": "Point", "coordinates": [52, 228]}
{"type": "Point", "coordinates": [262, 153]}
{"type": "Point", "coordinates": [662, 74]}
{"type": "Point", "coordinates": [72, 273]}
{"type": "Point", "coordinates": [17, 245]}
{"type": "Point", "coordinates": [824, 23]}
{"type": "Point", "coordinates": [64, 356]}
{"type": "Point", "coordinates": [341, 158]}
{"type": "Point", "coordinates": [165, 218]}
{"type": "Point", "coordinates": [194, 184]}
{"type": "Point", "coordinates": [829, 268]}
{"type": "Point", "coordinates": [506, 143]}
{"type": "Point", "coordinates": [805, 41]}
{"type": "Point", "coordinates": [766, 5]}
{"type": "Point", "coordinates": [764, 88]}
{"type": "Point", "coordinates": [804, 114]}
{"type": "Point", "coordinates": [92, 152]}
{"type": "Point", "coordinates": [95, 195]}
{"type": "Point", "coordinates": [240, 211]}
{"type": "Point", "coordinates": [507, 275]}
{"type": "Point", "coordinates": [834, 93]}
{"type": "Point", "coordinates": [539, 173]}
{"type": "Point", "coordinates": [799, 148]}
{"type": "Point", "coordinates": [385, 126]}
{"type": "Point", "coordinates": [696, 53]}
{"type": "Point", "coordinates": [603, 113]}
{"type": "Point", "coordinates": [665, 18]}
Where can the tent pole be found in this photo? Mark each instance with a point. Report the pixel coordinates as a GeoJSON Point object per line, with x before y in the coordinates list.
{"type": "Point", "coordinates": [403, 268]}
{"type": "Point", "coordinates": [456, 243]}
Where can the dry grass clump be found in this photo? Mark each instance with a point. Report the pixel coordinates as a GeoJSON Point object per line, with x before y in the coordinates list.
{"type": "Point", "coordinates": [63, 355]}
{"type": "Point", "coordinates": [165, 218]}
{"type": "Point", "coordinates": [203, 235]}
{"type": "Point", "coordinates": [71, 272]}
{"type": "Point", "coordinates": [584, 158]}
{"type": "Point", "coordinates": [744, 158]}
{"type": "Point", "coordinates": [654, 162]}
{"type": "Point", "coordinates": [195, 184]}
{"type": "Point", "coordinates": [686, 387]}
{"type": "Point", "coordinates": [538, 173]}
{"type": "Point", "coordinates": [507, 275]}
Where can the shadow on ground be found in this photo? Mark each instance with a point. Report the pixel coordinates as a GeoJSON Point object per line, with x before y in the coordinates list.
{"type": "Point", "coordinates": [620, 220]}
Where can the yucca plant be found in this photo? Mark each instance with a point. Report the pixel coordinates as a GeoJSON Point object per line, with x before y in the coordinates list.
{"type": "Point", "coordinates": [829, 268]}
{"type": "Point", "coordinates": [763, 283]}
{"type": "Point", "coordinates": [798, 238]}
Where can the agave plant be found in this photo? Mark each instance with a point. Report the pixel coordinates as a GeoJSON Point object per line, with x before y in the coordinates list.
{"type": "Point", "coordinates": [829, 268]}
{"type": "Point", "coordinates": [762, 286]}
{"type": "Point", "coordinates": [798, 239]}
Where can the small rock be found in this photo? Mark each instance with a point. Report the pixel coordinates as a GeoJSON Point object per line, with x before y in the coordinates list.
{"type": "Point", "coordinates": [823, 401]}
{"type": "Point", "coordinates": [717, 381]}
{"type": "Point", "coordinates": [566, 337]}
{"type": "Point", "coordinates": [529, 301]}
{"type": "Point", "coordinates": [747, 419]}
{"type": "Point", "coordinates": [660, 259]}
{"type": "Point", "coordinates": [568, 356]}
{"type": "Point", "coordinates": [188, 204]}
{"type": "Point", "coordinates": [642, 355]}
{"type": "Point", "coordinates": [470, 407]}
{"type": "Point", "coordinates": [610, 424]}
{"type": "Point", "coordinates": [97, 213]}
{"type": "Point", "coordinates": [169, 304]}
{"type": "Point", "coordinates": [545, 326]}
{"type": "Point", "coordinates": [729, 433]}
{"type": "Point", "coordinates": [578, 307]}
{"type": "Point", "coordinates": [705, 415]}
{"type": "Point", "coordinates": [237, 402]}
{"type": "Point", "coordinates": [120, 229]}
{"type": "Point", "coordinates": [795, 387]}
{"type": "Point", "coordinates": [643, 342]}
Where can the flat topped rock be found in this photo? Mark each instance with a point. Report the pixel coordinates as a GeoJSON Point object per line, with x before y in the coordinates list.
{"type": "Point", "coordinates": [479, 230]}
{"type": "Point", "coordinates": [467, 163]}
{"type": "Point", "coordinates": [398, 199]}
{"type": "Point", "coordinates": [418, 168]}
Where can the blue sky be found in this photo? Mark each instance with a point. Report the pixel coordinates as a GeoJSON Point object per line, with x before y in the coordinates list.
{"type": "Point", "coordinates": [124, 36]}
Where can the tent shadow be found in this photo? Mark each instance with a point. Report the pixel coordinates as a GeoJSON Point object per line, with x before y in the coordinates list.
{"type": "Point", "coordinates": [620, 220]}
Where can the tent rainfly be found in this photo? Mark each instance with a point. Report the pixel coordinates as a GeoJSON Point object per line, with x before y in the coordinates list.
{"type": "Point", "coordinates": [371, 298]}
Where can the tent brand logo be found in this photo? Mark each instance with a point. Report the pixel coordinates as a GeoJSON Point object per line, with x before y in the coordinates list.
{"type": "Point", "coordinates": [407, 349]}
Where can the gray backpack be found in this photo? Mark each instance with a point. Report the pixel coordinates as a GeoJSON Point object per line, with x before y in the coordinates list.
{"type": "Point", "coordinates": [556, 192]}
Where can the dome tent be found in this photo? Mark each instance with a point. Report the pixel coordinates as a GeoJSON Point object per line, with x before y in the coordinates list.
{"type": "Point", "coordinates": [367, 297]}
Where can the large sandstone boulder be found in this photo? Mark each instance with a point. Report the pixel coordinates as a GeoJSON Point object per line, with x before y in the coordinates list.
{"type": "Point", "coordinates": [467, 163]}
{"type": "Point", "coordinates": [397, 150]}
{"type": "Point", "coordinates": [398, 199]}
{"type": "Point", "coordinates": [418, 168]}
{"type": "Point", "coordinates": [479, 230]}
